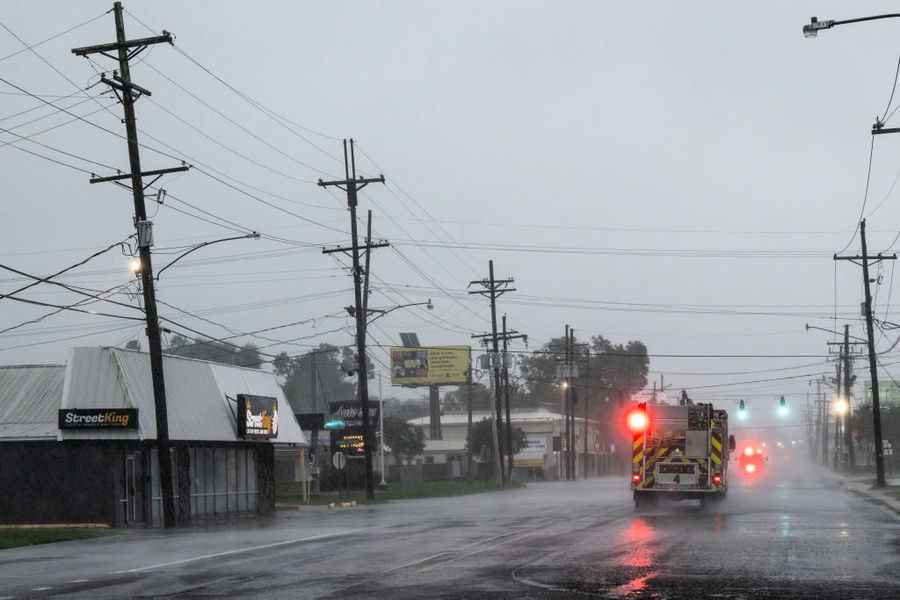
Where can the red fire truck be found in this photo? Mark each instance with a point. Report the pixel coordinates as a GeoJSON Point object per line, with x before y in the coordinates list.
{"type": "Point", "coordinates": [679, 452]}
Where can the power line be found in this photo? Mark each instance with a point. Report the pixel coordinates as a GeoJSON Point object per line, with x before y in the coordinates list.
{"type": "Point", "coordinates": [49, 39]}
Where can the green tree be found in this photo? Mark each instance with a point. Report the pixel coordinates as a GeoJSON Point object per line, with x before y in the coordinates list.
{"type": "Point", "coordinates": [314, 379]}
{"type": "Point", "coordinates": [611, 371]}
{"type": "Point", "coordinates": [405, 409]}
{"type": "Point", "coordinates": [456, 401]}
{"type": "Point", "coordinates": [404, 440]}
{"type": "Point", "coordinates": [242, 356]}
{"type": "Point", "coordinates": [481, 443]}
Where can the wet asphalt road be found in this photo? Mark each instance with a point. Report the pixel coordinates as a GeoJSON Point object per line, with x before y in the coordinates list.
{"type": "Point", "coordinates": [791, 536]}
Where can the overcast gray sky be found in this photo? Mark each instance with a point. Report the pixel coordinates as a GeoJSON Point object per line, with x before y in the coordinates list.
{"type": "Point", "coordinates": [714, 138]}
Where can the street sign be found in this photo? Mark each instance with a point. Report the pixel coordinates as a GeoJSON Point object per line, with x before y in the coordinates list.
{"type": "Point", "coordinates": [339, 460]}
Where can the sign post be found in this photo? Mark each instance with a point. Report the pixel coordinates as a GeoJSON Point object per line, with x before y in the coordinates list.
{"type": "Point", "coordinates": [339, 462]}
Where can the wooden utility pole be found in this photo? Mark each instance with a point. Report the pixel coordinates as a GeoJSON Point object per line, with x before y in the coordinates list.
{"type": "Point", "coordinates": [128, 92]}
{"type": "Point", "coordinates": [506, 337]}
{"type": "Point", "coordinates": [865, 260]}
{"type": "Point", "coordinates": [351, 184]}
{"type": "Point", "coordinates": [493, 289]}
{"type": "Point", "coordinates": [848, 380]}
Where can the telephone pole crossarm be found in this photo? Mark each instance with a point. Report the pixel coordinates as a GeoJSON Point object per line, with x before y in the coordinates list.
{"type": "Point", "coordinates": [139, 43]}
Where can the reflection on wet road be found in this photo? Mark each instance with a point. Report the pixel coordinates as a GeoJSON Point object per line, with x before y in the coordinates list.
{"type": "Point", "coordinates": [792, 535]}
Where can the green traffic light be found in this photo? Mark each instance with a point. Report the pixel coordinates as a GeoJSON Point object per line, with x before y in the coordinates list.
{"type": "Point", "coordinates": [335, 424]}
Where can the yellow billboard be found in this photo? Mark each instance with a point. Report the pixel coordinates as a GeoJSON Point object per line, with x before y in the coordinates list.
{"type": "Point", "coordinates": [436, 365]}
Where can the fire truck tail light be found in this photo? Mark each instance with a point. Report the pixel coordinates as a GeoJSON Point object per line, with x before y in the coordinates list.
{"type": "Point", "coordinates": [636, 478]}
{"type": "Point", "coordinates": [638, 421]}
{"type": "Point", "coordinates": [750, 468]}
{"type": "Point", "coordinates": [717, 479]}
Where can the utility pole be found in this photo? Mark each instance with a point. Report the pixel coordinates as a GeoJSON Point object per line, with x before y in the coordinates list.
{"type": "Point", "coordinates": [822, 402]}
{"type": "Point", "coordinates": [565, 402]}
{"type": "Point", "coordinates": [587, 401]}
{"type": "Point", "coordinates": [848, 434]}
{"type": "Point", "coordinates": [469, 421]}
{"type": "Point", "coordinates": [128, 92]}
{"type": "Point", "coordinates": [351, 184]}
{"type": "Point", "coordinates": [837, 416]}
{"type": "Point", "coordinates": [493, 289]}
{"type": "Point", "coordinates": [507, 336]}
{"type": "Point", "coordinates": [570, 390]}
{"type": "Point", "coordinates": [864, 260]}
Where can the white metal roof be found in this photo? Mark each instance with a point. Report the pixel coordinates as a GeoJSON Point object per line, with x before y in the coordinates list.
{"type": "Point", "coordinates": [517, 416]}
{"type": "Point", "coordinates": [200, 395]}
{"type": "Point", "coordinates": [29, 400]}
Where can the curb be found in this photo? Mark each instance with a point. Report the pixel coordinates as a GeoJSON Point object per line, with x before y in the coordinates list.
{"type": "Point", "coordinates": [877, 499]}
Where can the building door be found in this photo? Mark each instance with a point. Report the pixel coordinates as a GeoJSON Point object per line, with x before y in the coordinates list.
{"type": "Point", "coordinates": [134, 488]}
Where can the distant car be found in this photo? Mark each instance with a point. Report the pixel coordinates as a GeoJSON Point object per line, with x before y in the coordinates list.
{"type": "Point", "coordinates": [752, 461]}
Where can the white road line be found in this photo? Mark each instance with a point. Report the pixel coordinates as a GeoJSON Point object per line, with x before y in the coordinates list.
{"type": "Point", "coordinates": [415, 562]}
{"type": "Point", "coordinates": [41, 589]}
{"type": "Point", "coordinates": [240, 551]}
{"type": "Point", "coordinates": [6, 598]}
{"type": "Point", "coordinates": [79, 581]}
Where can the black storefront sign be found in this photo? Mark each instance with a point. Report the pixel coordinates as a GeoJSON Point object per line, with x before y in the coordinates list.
{"type": "Point", "coordinates": [349, 440]}
{"type": "Point", "coordinates": [257, 417]}
{"type": "Point", "coordinates": [351, 413]}
{"type": "Point", "coordinates": [98, 418]}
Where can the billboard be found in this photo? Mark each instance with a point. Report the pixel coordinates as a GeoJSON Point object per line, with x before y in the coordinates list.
{"type": "Point", "coordinates": [257, 417]}
{"type": "Point", "coordinates": [98, 418]}
{"type": "Point", "coordinates": [436, 365]}
{"type": "Point", "coordinates": [351, 413]}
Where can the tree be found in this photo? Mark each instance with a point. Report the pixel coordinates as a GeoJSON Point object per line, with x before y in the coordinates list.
{"type": "Point", "coordinates": [456, 401]}
{"type": "Point", "coordinates": [481, 444]}
{"type": "Point", "coordinates": [405, 409]}
{"type": "Point", "coordinates": [314, 379]}
{"type": "Point", "coordinates": [608, 371]}
{"type": "Point", "coordinates": [229, 354]}
{"type": "Point", "coordinates": [404, 440]}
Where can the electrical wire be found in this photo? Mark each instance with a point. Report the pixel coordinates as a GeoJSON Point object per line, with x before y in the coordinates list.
{"type": "Point", "coordinates": [243, 128]}
{"type": "Point", "coordinates": [893, 89]}
{"type": "Point", "coordinates": [71, 267]}
{"type": "Point", "coordinates": [862, 209]}
{"type": "Point", "coordinates": [31, 47]}
{"type": "Point", "coordinates": [254, 103]}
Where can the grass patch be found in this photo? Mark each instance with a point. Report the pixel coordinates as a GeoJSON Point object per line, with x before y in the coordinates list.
{"type": "Point", "coordinates": [396, 491]}
{"type": "Point", "coordinates": [14, 537]}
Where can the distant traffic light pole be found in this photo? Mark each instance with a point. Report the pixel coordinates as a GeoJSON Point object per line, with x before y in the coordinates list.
{"type": "Point", "coordinates": [811, 30]}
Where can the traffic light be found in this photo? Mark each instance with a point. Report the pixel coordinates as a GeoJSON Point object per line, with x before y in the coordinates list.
{"type": "Point", "coordinates": [742, 410]}
{"type": "Point", "coordinates": [782, 407]}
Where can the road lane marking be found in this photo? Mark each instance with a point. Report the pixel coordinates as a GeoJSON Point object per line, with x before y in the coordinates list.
{"type": "Point", "coordinates": [41, 589]}
{"type": "Point", "coordinates": [79, 581]}
{"type": "Point", "coordinates": [415, 562]}
{"type": "Point", "coordinates": [240, 551]}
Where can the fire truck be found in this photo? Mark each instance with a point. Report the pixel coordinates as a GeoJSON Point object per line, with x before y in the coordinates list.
{"type": "Point", "coordinates": [679, 452]}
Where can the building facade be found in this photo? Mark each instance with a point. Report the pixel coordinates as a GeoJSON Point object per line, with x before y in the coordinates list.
{"type": "Point", "coordinates": [78, 441]}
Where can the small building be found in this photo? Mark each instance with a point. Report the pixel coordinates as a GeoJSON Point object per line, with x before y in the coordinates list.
{"type": "Point", "coordinates": [78, 441]}
{"type": "Point", "coordinates": [541, 456]}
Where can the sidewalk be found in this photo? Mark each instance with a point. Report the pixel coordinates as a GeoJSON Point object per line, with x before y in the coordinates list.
{"type": "Point", "coordinates": [863, 485]}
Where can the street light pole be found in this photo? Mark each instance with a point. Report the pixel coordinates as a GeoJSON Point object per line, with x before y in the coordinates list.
{"type": "Point", "coordinates": [381, 427]}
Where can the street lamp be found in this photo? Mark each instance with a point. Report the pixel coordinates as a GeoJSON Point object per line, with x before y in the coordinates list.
{"type": "Point", "coordinates": [840, 406]}
{"type": "Point", "coordinates": [380, 312]}
{"type": "Point", "coordinates": [135, 266]}
{"type": "Point", "coordinates": [826, 330]}
{"type": "Point", "coordinates": [252, 236]}
{"type": "Point", "coordinates": [815, 25]}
